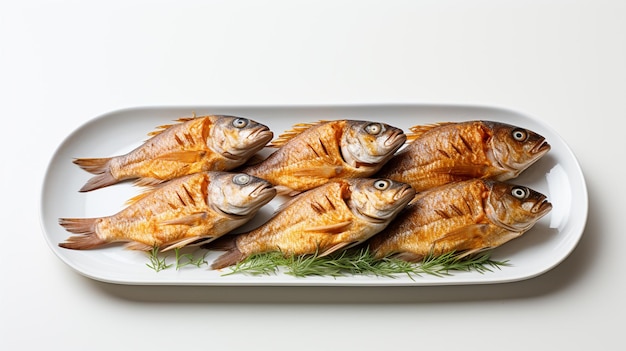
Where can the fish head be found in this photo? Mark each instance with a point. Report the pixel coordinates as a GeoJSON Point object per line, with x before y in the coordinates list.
{"type": "Point", "coordinates": [370, 144]}
{"type": "Point", "coordinates": [514, 207]}
{"type": "Point", "coordinates": [379, 200]}
{"type": "Point", "coordinates": [238, 194]}
{"type": "Point", "coordinates": [238, 138]}
{"type": "Point", "coordinates": [514, 148]}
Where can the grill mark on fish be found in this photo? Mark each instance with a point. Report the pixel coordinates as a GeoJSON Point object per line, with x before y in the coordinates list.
{"type": "Point", "coordinates": [332, 206]}
{"type": "Point", "coordinates": [445, 154]}
{"type": "Point", "coordinates": [313, 149]}
{"type": "Point", "coordinates": [326, 153]}
{"type": "Point", "coordinates": [180, 198]}
{"type": "Point", "coordinates": [317, 208]}
{"type": "Point", "coordinates": [178, 140]}
{"type": "Point", "coordinates": [456, 210]}
{"type": "Point", "coordinates": [468, 204]}
{"type": "Point", "coordinates": [189, 137]}
{"type": "Point", "coordinates": [321, 208]}
{"type": "Point", "coordinates": [467, 144]}
{"type": "Point", "coordinates": [189, 195]}
{"type": "Point", "coordinates": [442, 213]}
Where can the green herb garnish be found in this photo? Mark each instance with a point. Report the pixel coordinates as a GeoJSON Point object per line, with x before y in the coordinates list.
{"type": "Point", "coordinates": [183, 260]}
{"type": "Point", "coordinates": [349, 262]}
{"type": "Point", "coordinates": [157, 263]}
{"type": "Point", "coordinates": [361, 262]}
{"type": "Point", "coordinates": [158, 259]}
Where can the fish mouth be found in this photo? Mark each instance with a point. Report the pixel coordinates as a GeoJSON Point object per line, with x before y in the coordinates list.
{"type": "Point", "coordinates": [541, 147]}
{"type": "Point", "coordinates": [406, 192]}
{"type": "Point", "coordinates": [401, 198]}
{"type": "Point", "coordinates": [541, 207]}
{"type": "Point", "coordinates": [263, 190]}
{"type": "Point", "coordinates": [393, 142]}
{"type": "Point", "coordinates": [261, 135]}
{"type": "Point", "coordinates": [395, 139]}
{"type": "Point", "coordinates": [259, 138]}
{"type": "Point", "coordinates": [260, 195]}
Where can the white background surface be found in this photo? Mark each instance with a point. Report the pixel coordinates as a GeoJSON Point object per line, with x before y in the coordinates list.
{"type": "Point", "coordinates": [65, 62]}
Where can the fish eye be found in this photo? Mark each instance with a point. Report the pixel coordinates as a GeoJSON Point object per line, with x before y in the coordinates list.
{"type": "Point", "coordinates": [519, 134]}
{"type": "Point", "coordinates": [519, 192]}
{"type": "Point", "coordinates": [382, 184]}
{"type": "Point", "coordinates": [240, 123]}
{"type": "Point", "coordinates": [373, 128]}
{"type": "Point", "coordinates": [241, 179]}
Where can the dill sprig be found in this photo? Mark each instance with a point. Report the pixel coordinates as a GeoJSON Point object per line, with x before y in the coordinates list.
{"type": "Point", "coordinates": [361, 262]}
{"type": "Point", "coordinates": [186, 259]}
{"type": "Point", "coordinates": [260, 264]}
{"type": "Point", "coordinates": [157, 262]}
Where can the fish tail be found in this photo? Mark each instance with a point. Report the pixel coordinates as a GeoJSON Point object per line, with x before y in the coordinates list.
{"type": "Point", "coordinates": [99, 181]}
{"type": "Point", "coordinates": [87, 238]}
{"type": "Point", "coordinates": [223, 243]}
{"type": "Point", "coordinates": [100, 167]}
{"type": "Point", "coordinates": [93, 165]}
{"type": "Point", "coordinates": [229, 258]}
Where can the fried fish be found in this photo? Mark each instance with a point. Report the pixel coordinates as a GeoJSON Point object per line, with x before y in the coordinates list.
{"type": "Point", "coordinates": [462, 217]}
{"type": "Point", "coordinates": [187, 210]}
{"type": "Point", "coordinates": [197, 144]}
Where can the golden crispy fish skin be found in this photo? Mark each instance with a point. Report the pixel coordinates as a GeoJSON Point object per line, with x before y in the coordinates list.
{"type": "Point", "coordinates": [466, 216]}
{"type": "Point", "coordinates": [334, 216]}
{"type": "Point", "coordinates": [311, 154]}
{"type": "Point", "coordinates": [196, 144]}
{"type": "Point", "coordinates": [447, 152]}
{"type": "Point", "coordinates": [187, 210]}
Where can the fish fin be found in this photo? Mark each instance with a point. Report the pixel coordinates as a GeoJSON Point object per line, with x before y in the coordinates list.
{"type": "Point", "coordinates": [331, 228]}
{"type": "Point", "coordinates": [336, 248]}
{"type": "Point", "coordinates": [99, 166]}
{"type": "Point", "coordinates": [135, 245]}
{"type": "Point", "coordinates": [419, 130]}
{"type": "Point", "coordinates": [99, 181]}
{"type": "Point", "coordinates": [183, 156]}
{"type": "Point", "coordinates": [160, 129]}
{"type": "Point", "coordinates": [408, 256]}
{"type": "Point", "coordinates": [466, 238]}
{"type": "Point", "coordinates": [471, 252]}
{"type": "Point", "coordinates": [183, 242]}
{"type": "Point", "coordinates": [229, 258]}
{"type": "Point", "coordinates": [138, 197]}
{"type": "Point", "coordinates": [191, 219]}
{"type": "Point", "coordinates": [296, 130]}
{"type": "Point", "coordinates": [88, 239]}
{"type": "Point", "coordinates": [149, 186]}
{"type": "Point", "coordinates": [322, 171]}
{"type": "Point", "coordinates": [148, 182]}
{"type": "Point", "coordinates": [93, 165]}
{"type": "Point", "coordinates": [463, 172]}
